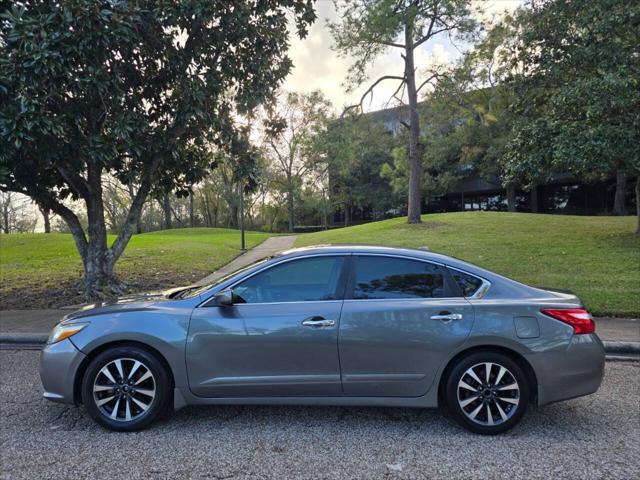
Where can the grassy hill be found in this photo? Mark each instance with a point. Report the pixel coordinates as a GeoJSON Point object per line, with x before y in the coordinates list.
{"type": "Point", "coordinates": [596, 257]}
{"type": "Point", "coordinates": [38, 270]}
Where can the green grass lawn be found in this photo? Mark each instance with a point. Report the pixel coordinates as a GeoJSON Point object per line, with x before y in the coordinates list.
{"type": "Point", "coordinates": [596, 257]}
{"type": "Point", "coordinates": [43, 267]}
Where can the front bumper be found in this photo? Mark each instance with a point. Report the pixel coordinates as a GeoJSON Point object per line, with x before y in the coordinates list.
{"type": "Point", "coordinates": [572, 372]}
{"type": "Point", "coordinates": [59, 364]}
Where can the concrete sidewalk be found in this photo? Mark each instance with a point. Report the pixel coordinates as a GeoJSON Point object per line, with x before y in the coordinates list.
{"type": "Point", "coordinates": [269, 247]}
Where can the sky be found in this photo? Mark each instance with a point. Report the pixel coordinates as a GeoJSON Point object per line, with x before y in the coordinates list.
{"type": "Point", "coordinates": [317, 66]}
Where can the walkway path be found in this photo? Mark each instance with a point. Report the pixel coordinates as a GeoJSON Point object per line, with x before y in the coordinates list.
{"type": "Point", "coordinates": [270, 246]}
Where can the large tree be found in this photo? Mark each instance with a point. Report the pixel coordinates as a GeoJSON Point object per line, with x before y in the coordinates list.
{"type": "Point", "coordinates": [140, 90]}
{"type": "Point", "coordinates": [576, 82]}
{"type": "Point", "coordinates": [290, 126]}
{"type": "Point", "coordinates": [369, 28]}
{"type": "Point", "coordinates": [353, 150]}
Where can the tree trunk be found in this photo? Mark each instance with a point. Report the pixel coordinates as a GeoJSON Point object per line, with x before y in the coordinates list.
{"type": "Point", "coordinates": [46, 215]}
{"type": "Point", "coordinates": [207, 209]}
{"type": "Point", "coordinates": [132, 196]}
{"type": "Point", "coordinates": [290, 209]}
{"type": "Point", "coordinates": [415, 167]}
{"type": "Point", "coordinates": [347, 214]}
{"type": "Point", "coordinates": [233, 216]}
{"type": "Point", "coordinates": [619, 207]}
{"type": "Point", "coordinates": [98, 264]}
{"type": "Point", "coordinates": [6, 228]}
{"type": "Point", "coordinates": [166, 208]}
{"type": "Point", "coordinates": [534, 199]}
{"type": "Point", "coordinates": [511, 198]}
{"type": "Point", "coordinates": [191, 212]}
{"type": "Point", "coordinates": [638, 203]}
{"type": "Point", "coordinates": [139, 223]}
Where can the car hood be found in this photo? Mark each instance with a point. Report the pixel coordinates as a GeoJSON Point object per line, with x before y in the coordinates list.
{"type": "Point", "coordinates": [127, 303]}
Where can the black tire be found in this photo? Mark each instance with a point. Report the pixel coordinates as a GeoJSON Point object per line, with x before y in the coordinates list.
{"type": "Point", "coordinates": [130, 412]}
{"type": "Point", "coordinates": [491, 402]}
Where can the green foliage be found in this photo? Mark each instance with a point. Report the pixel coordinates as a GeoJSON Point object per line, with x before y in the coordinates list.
{"type": "Point", "coordinates": [355, 150]}
{"type": "Point", "coordinates": [291, 127]}
{"type": "Point", "coordinates": [577, 89]}
{"type": "Point", "coordinates": [467, 132]}
{"type": "Point", "coordinates": [141, 90]}
{"type": "Point", "coordinates": [555, 251]}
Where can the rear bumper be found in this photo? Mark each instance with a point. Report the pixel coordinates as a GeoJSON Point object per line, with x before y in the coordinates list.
{"type": "Point", "coordinates": [572, 372]}
{"type": "Point", "coordinates": [59, 364]}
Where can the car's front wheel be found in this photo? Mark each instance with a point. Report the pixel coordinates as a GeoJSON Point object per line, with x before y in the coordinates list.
{"type": "Point", "coordinates": [487, 392]}
{"type": "Point", "coordinates": [126, 388]}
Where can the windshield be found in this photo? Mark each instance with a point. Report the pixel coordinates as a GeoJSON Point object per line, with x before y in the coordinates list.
{"type": "Point", "coordinates": [196, 290]}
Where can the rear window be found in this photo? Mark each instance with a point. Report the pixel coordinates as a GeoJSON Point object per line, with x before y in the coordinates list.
{"type": "Point", "coordinates": [468, 284]}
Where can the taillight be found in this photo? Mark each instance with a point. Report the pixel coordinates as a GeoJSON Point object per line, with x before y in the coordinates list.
{"type": "Point", "coordinates": [578, 318]}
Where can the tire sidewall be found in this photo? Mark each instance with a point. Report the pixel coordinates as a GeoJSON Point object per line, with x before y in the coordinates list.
{"type": "Point", "coordinates": [452, 391]}
{"type": "Point", "coordinates": [161, 377]}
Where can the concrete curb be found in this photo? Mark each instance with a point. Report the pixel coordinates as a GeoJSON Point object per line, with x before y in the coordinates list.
{"type": "Point", "coordinates": [621, 347]}
{"type": "Point", "coordinates": [27, 341]}
{"type": "Point", "coordinates": [22, 341]}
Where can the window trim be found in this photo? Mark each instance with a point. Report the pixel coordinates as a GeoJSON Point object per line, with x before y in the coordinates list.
{"type": "Point", "coordinates": [450, 285]}
{"type": "Point", "coordinates": [340, 289]}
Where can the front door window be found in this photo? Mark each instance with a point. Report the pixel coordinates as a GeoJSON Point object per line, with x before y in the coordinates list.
{"type": "Point", "coordinates": [304, 280]}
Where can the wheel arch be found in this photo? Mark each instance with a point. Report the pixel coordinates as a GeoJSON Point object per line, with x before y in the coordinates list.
{"type": "Point", "coordinates": [522, 362]}
{"type": "Point", "coordinates": [77, 382]}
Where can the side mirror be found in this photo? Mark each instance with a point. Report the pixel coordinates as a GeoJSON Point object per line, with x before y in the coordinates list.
{"type": "Point", "coordinates": [224, 298]}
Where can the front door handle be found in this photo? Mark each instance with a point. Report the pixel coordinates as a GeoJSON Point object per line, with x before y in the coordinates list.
{"type": "Point", "coordinates": [317, 321]}
{"type": "Point", "coordinates": [446, 316]}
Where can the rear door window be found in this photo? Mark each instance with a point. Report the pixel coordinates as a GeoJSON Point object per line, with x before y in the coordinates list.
{"type": "Point", "coordinates": [379, 277]}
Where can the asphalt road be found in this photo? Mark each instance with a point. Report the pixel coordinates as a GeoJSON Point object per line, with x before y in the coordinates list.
{"type": "Point", "coordinates": [592, 437]}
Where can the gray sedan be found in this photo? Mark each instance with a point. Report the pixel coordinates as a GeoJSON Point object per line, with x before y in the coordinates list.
{"type": "Point", "coordinates": [330, 326]}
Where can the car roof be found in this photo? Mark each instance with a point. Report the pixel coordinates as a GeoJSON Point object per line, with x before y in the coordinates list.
{"type": "Point", "coordinates": [423, 253]}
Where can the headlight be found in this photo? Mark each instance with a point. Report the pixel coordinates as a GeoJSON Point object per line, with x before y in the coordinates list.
{"type": "Point", "coordinates": [62, 331]}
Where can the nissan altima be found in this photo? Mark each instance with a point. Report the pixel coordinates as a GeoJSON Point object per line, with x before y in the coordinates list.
{"type": "Point", "coordinates": [342, 325]}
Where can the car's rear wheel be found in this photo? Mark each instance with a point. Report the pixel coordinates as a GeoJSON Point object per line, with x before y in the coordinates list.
{"type": "Point", "coordinates": [487, 392]}
{"type": "Point", "coordinates": [126, 388]}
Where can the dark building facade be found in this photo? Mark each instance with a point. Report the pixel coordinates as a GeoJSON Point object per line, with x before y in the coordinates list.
{"type": "Point", "coordinates": [564, 194]}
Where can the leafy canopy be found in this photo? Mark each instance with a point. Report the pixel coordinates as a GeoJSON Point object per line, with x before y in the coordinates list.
{"type": "Point", "coordinates": [576, 82]}
{"type": "Point", "coordinates": [142, 90]}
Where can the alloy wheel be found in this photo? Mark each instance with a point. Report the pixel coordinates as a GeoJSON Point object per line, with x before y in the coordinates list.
{"type": "Point", "coordinates": [488, 394]}
{"type": "Point", "coordinates": [124, 389]}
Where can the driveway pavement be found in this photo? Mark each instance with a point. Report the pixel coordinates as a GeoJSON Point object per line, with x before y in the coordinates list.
{"type": "Point", "coordinates": [594, 437]}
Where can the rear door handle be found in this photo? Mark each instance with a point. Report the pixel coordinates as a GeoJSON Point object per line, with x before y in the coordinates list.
{"type": "Point", "coordinates": [317, 321]}
{"type": "Point", "coordinates": [446, 316]}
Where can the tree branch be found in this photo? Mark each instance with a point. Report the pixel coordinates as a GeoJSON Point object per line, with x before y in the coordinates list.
{"type": "Point", "coordinates": [370, 91]}
{"type": "Point", "coordinates": [76, 182]}
{"type": "Point", "coordinates": [129, 225]}
{"type": "Point", "coordinates": [432, 77]}
{"type": "Point", "coordinates": [389, 44]}
{"type": "Point", "coordinates": [46, 200]}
